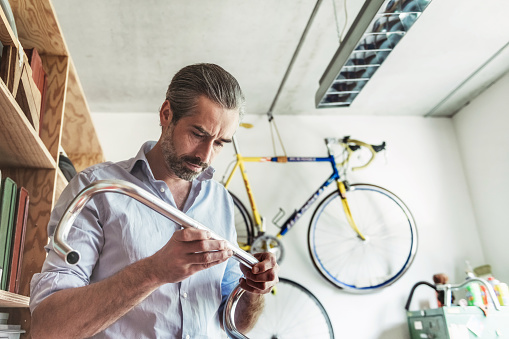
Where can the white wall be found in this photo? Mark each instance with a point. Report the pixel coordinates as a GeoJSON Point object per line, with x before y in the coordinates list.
{"type": "Point", "coordinates": [482, 129]}
{"type": "Point", "coordinates": [422, 165]}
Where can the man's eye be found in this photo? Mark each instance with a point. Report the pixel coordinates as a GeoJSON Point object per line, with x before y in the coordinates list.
{"type": "Point", "coordinates": [198, 135]}
{"type": "Point", "coordinates": [218, 144]}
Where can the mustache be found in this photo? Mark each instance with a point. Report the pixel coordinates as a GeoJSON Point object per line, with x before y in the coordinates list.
{"type": "Point", "coordinates": [195, 161]}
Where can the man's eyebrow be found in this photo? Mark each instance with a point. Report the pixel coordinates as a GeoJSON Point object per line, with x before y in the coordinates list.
{"type": "Point", "coordinates": [204, 132]}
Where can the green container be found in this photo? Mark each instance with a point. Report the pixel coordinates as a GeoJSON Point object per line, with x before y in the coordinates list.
{"type": "Point", "coordinates": [450, 322]}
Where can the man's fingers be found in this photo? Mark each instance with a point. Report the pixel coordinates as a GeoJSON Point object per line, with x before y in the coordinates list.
{"type": "Point", "coordinates": [191, 234]}
{"type": "Point", "coordinates": [209, 257]}
{"type": "Point", "coordinates": [267, 262]}
{"type": "Point", "coordinates": [257, 288]}
{"type": "Point", "coordinates": [205, 246]}
{"type": "Point", "coordinates": [194, 268]}
{"type": "Point", "coordinates": [262, 277]}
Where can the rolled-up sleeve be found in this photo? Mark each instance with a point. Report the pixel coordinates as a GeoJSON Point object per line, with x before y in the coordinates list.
{"type": "Point", "coordinates": [85, 236]}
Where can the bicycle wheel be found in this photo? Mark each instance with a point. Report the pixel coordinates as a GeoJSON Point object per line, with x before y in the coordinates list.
{"type": "Point", "coordinates": [243, 222]}
{"type": "Point", "coordinates": [358, 265]}
{"type": "Point", "coordinates": [292, 312]}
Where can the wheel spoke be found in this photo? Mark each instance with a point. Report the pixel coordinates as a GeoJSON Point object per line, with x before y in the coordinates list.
{"type": "Point", "coordinates": [293, 312]}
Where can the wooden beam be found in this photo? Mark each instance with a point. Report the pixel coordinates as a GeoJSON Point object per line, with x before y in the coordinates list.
{"type": "Point", "coordinates": [56, 68]}
{"type": "Point", "coordinates": [6, 33]}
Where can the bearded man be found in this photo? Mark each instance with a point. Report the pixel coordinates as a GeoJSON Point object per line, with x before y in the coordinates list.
{"type": "Point", "coordinates": [142, 275]}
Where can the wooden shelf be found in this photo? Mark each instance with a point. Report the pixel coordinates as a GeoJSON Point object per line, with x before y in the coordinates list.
{"type": "Point", "coordinates": [20, 146]}
{"type": "Point", "coordinates": [8, 299]}
{"type": "Point", "coordinates": [30, 158]}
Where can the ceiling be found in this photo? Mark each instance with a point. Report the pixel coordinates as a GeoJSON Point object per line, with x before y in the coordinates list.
{"type": "Point", "coordinates": [126, 52]}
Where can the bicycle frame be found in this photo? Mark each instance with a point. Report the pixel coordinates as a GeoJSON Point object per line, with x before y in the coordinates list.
{"type": "Point", "coordinates": [288, 224]}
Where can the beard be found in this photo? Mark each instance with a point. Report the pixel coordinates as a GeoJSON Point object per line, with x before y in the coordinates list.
{"type": "Point", "coordinates": [176, 163]}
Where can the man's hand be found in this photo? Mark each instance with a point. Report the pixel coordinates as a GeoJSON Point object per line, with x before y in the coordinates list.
{"type": "Point", "coordinates": [188, 251]}
{"type": "Point", "coordinates": [263, 276]}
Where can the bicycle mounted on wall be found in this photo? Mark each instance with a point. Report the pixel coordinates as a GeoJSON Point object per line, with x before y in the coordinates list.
{"type": "Point", "coordinates": [361, 237]}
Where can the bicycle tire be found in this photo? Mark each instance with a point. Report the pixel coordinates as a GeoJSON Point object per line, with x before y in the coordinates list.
{"type": "Point", "coordinates": [347, 261]}
{"type": "Point", "coordinates": [292, 312]}
{"type": "Point", "coordinates": [243, 222]}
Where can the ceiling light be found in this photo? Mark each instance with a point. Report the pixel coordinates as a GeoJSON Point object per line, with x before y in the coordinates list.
{"type": "Point", "coordinates": [377, 29]}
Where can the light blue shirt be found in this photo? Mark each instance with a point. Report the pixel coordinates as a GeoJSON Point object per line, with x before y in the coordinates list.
{"type": "Point", "coordinates": [114, 231]}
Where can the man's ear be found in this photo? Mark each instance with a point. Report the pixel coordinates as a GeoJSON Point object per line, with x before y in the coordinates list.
{"type": "Point", "coordinates": [165, 114]}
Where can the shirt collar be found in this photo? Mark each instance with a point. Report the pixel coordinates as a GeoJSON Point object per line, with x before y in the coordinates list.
{"type": "Point", "coordinates": [141, 159]}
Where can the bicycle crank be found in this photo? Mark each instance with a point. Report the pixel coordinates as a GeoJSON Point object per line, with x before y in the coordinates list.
{"type": "Point", "coordinates": [268, 243]}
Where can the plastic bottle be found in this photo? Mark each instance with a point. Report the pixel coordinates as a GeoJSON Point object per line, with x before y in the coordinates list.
{"type": "Point", "coordinates": [484, 294]}
{"type": "Point", "coordinates": [502, 292]}
{"type": "Point", "coordinates": [474, 295]}
{"type": "Point", "coordinates": [493, 282]}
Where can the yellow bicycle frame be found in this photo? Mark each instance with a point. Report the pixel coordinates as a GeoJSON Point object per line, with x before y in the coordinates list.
{"type": "Point", "coordinates": [340, 184]}
{"type": "Point", "coordinates": [240, 164]}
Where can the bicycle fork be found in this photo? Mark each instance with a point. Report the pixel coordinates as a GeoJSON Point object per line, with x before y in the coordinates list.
{"type": "Point", "coordinates": [346, 208]}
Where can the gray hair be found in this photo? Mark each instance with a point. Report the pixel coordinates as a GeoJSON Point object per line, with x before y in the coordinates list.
{"type": "Point", "coordinates": [209, 80]}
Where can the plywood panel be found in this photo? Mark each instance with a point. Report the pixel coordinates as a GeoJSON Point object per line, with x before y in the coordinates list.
{"type": "Point", "coordinates": [84, 160]}
{"type": "Point", "coordinates": [79, 138]}
{"type": "Point", "coordinates": [19, 143]}
{"type": "Point", "coordinates": [38, 26]}
{"type": "Point", "coordinates": [56, 68]}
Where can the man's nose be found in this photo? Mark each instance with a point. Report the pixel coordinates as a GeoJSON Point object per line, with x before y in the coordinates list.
{"type": "Point", "coordinates": [205, 151]}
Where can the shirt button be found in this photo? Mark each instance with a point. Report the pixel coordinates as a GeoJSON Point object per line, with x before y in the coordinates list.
{"type": "Point", "coordinates": [185, 296]}
{"type": "Point", "coordinates": [162, 190]}
{"type": "Point", "coordinates": [187, 336]}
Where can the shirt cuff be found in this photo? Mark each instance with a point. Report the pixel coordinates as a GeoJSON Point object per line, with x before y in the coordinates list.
{"type": "Point", "coordinates": [45, 284]}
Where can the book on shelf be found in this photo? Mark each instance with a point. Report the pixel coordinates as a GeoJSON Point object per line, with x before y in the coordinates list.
{"type": "Point", "coordinates": [10, 68]}
{"type": "Point", "coordinates": [39, 76]}
{"type": "Point", "coordinates": [26, 84]}
{"type": "Point", "coordinates": [18, 240]}
{"type": "Point", "coordinates": [29, 96]}
{"type": "Point", "coordinates": [7, 217]}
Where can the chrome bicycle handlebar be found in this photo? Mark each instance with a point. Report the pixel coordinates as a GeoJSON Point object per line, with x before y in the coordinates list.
{"type": "Point", "coordinates": [72, 256]}
{"type": "Point", "coordinates": [447, 288]}
{"type": "Point", "coordinates": [229, 314]}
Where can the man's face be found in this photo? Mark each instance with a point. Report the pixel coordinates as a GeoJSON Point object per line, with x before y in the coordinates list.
{"type": "Point", "coordinates": [190, 145]}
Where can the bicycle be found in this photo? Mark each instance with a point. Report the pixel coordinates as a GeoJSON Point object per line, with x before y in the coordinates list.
{"type": "Point", "coordinates": [361, 237]}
